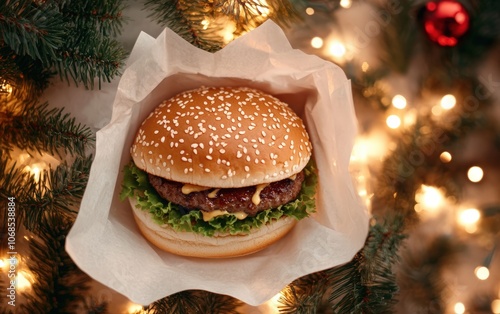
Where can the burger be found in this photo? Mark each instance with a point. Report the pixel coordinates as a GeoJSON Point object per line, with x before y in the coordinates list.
{"type": "Point", "coordinates": [220, 172]}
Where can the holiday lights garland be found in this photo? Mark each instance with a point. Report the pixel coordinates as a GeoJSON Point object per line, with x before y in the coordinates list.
{"type": "Point", "coordinates": [408, 185]}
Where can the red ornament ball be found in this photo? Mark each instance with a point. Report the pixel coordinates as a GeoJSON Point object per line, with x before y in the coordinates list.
{"type": "Point", "coordinates": [445, 21]}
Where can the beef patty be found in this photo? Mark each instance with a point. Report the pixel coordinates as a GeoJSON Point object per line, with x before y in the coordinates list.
{"type": "Point", "coordinates": [231, 200]}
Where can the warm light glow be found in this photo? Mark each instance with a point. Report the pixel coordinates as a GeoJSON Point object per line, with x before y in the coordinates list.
{"type": "Point", "coordinates": [445, 157]}
{"type": "Point", "coordinates": [475, 174]}
{"type": "Point", "coordinates": [24, 280]}
{"type": "Point", "coordinates": [263, 9]}
{"type": "Point", "coordinates": [2, 263]}
{"type": "Point", "coordinates": [459, 308]}
{"type": "Point", "coordinates": [309, 11]}
{"type": "Point", "coordinates": [5, 88]}
{"type": "Point", "coordinates": [134, 308]}
{"type": "Point", "coordinates": [205, 24]}
{"type": "Point", "coordinates": [272, 306]}
{"type": "Point", "coordinates": [429, 197]}
{"type": "Point", "coordinates": [393, 121]}
{"type": "Point", "coordinates": [346, 4]}
{"type": "Point", "coordinates": [34, 170]}
{"type": "Point", "coordinates": [317, 42]}
{"type": "Point", "coordinates": [495, 306]}
{"type": "Point", "coordinates": [448, 101]}
{"type": "Point", "coordinates": [482, 273]}
{"type": "Point", "coordinates": [399, 102]}
{"type": "Point", "coordinates": [468, 218]}
{"type": "Point", "coordinates": [365, 66]}
{"type": "Point", "coordinates": [337, 49]}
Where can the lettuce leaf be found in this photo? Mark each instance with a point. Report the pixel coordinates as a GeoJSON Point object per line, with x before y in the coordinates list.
{"type": "Point", "coordinates": [136, 185]}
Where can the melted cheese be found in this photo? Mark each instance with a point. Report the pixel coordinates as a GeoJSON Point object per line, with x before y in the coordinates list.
{"type": "Point", "coordinates": [210, 215]}
{"type": "Point", "coordinates": [213, 194]}
{"type": "Point", "coordinates": [190, 188]}
{"type": "Point", "coordinates": [256, 195]}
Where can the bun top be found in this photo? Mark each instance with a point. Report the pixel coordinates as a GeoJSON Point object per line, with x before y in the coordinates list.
{"type": "Point", "coordinates": [222, 137]}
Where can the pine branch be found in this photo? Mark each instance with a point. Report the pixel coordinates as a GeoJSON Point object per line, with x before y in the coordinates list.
{"type": "Point", "coordinates": [88, 55]}
{"type": "Point", "coordinates": [36, 128]}
{"type": "Point", "coordinates": [306, 294]}
{"type": "Point", "coordinates": [32, 28]}
{"type": "Point", "coordinates": [194, 301]}
{"type": "Point", "coordinates": [185, 18]}
{"type": "Point", "coordinates": [198, 22]}
{"type": "Point", "coordinates": [60, 284]}
{"type": "Point", "coordinates": [58, 192]}
{"type": "Point", "coordinates": [367, 283]}
{"type": "Point", "coordinates": [397, 42]}
{"type": "Point", "coordinates": [420, 275]}
{"type": "Point", "coordinates": [103, 16]}
{"type": "Point", "coordinates": [90, 52]}
{"type": "Point", "coordinates": [27, 77]}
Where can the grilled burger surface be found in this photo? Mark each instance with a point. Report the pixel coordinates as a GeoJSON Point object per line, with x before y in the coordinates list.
{"type": "Point", "coordinates": [224, 152]}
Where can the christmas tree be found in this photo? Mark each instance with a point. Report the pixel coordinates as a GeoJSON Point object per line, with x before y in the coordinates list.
{"type": "Point", "coordinates": [425, 84]}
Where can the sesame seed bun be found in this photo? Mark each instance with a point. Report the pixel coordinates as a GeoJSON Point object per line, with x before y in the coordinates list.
{"type": "Point", "coordinates": [219, 246]}
{"type": "Point", "coordinates": [222, 137]}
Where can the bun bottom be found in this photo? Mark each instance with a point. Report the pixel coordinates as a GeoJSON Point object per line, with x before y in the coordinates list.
{"type": "Point", "coordinates": [219, 246]}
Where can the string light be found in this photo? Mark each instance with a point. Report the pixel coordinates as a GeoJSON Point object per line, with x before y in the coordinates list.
{"type": "Point", "coordinates": [35, 170]}
{"type": "Point", "coordinates": [445, 157]}
{"type": "Point", "coordinates": [205, 24]}
{"type": "Point", "coordinates": [482, 273]}
{"type": "Point", "coordinates": [428, 198]}
{"type": "Point", "coordinates": [5, 88]}
{"type": "Point", "coordinates": [272, 305]}
{"type": "Point", "coordinates": [468, 219]}
{"type": "Point", "coordinates": [365, 66]}
{"type": "Point", "coordinates": [24, 279]}
{"type": "Point", "coordinates": [475, 174]}
{"type": "Point", "coordinates": [134, 308]}
{"type": "Point", "coordinates": [459, 308]}
{"type": "Point", "coordinates": [346, 4]}
{"type": "Point", "coordinates": [495, 306]}
{"type": "Point", "coordinates": [309, 11]}
{"type": "Point", "coordinates": [399, 102]}
{"type": "Point", "coordinates": [393, 121]}
{"type": "Point", "coordinates": [337, 49]}
{"type": "Point", "coordinates": [448, 101]}
{"type": "Point", "coordinates": [317, 42]}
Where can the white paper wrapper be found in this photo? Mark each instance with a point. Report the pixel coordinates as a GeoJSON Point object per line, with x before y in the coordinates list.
{"type": "Point", "coordinates": [105, 242]}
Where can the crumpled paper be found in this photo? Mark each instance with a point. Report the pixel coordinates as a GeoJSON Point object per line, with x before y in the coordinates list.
{"type": "Point", "coordinates": [105, 242]}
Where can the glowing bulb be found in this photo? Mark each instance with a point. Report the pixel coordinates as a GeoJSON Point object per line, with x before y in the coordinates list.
{"type": "Point", "coordinates": [393, 121]}
{"type": "Point", "coordinates": [24, 280]}
{"type": "Point", "coordinates": [445, 157]}
{"type": "Point", "coordinates": [495, 306]}
{"type": "Point", "coordinates": [365, 66]}
{"type": "Point", "coordinates": [475, 174]}
{"type": "Point", "coordinates": [346, 4]}
{"type": "Point", "coordinates": [399, 102]}
{"type": "Point", "coordinates": [459, 308]}
{"type": "Point", "coordinates": [5, 88]}
{"type": "Point", "coordinates": [134, 308]}
{"type": "Point", "coordinates": [429, 197]}
{"type": "Point", "coordinates": [337, 49]}
{"type": "Point", "coordinates": [205, 24]}
{"type": "Point", "coordinates": [482, 273]}
{"type": "Point", "coordinates": [468, 219]}
{"type": "Point", "coordinates": [272, 305]}
{"type": "Point", "coordinates": [448, 101]}
{"type": "Point", "coordinates": [317, 42]}
{"type": "Point", "coordinates": [34, 170]}
{"type": "Point", "coordinates": [2, 263]}
{"type": "Point", "coordinates": [309, 11]}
